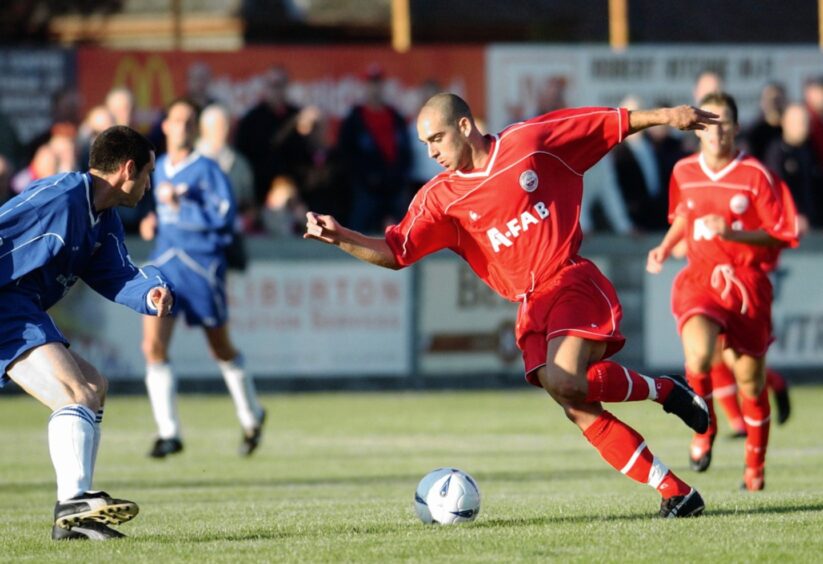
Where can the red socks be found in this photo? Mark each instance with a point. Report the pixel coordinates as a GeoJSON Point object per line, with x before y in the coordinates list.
{"type": "Point", "coordinates": [756, 414]}
{"type": "Point", "coordinates": [725, 392]}
{"type": "Point", "coordinates": [701, 383]}
{"type": "Point", "coordinates": [611, 382]}
{"type": "Point", "coordinates": [625, 450]}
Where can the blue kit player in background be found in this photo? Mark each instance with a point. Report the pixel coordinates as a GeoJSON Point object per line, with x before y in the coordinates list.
{"type": "Point", "coordinates": [60, 229]}
{"type": "Point", "coordinates": [192, 227]}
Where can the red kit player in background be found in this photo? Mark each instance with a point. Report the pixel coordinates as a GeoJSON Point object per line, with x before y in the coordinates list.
{"type": "Point", "coordinates": [735, 216]}
{"type": "Point", "coordinates": [509, 205]}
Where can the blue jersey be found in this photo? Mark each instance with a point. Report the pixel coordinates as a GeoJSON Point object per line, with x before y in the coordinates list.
{"type": "Point", "coordinates": [51, 236]}
{"type": "Point", "coordinates": [203, 223]}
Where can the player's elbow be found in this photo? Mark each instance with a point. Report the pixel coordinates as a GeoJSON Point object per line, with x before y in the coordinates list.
{"type": "Point", "coordinates": [391, 263]}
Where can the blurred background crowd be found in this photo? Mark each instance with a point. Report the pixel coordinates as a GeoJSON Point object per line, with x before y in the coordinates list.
{"type": "Point", "coordinates": [283, 157]}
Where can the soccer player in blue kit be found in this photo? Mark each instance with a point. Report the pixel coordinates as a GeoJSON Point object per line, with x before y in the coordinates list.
{"type": "Point", "coordinates": [192, 226]}
{"type": "Point", "coordinates": [60, 229]}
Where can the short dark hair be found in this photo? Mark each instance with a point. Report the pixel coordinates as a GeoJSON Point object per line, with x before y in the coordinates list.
{"type": "Point", "coordinates": [117, 145]}
{"type": "Point", "coordinates": [188, 102]}
{"type": "Point", "coordinates": [721, 99]}
{"type": "Point", "coordinates": [451, 106]}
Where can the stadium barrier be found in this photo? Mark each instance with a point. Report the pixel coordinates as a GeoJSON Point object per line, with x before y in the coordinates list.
{"type": "Point", "coordinates": [308, 316]}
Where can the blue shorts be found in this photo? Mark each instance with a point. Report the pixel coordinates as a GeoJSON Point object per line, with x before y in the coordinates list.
{"type": "Point", "coordinates": [200, 285]}
{"type": "Point", "coordinates": [23, 326]}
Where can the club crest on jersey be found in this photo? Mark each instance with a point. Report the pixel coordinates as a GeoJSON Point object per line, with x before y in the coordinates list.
{"type": "Point", "coordinates": [739, 203]}
{"type": "Point", "coordinates": [517, 226]}
{"type": "Point", "coordinates": [528, 180]}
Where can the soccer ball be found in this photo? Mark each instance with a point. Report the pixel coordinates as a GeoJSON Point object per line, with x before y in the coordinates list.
{"type": "Point", "coordinates": [447, 496]}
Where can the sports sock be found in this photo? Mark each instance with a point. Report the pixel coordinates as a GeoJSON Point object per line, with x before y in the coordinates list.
{"type": "Point", "coordinates": [757, 416]}
{"type": "Point", "coordinates": [775, 381]}
{"type": "Point", "coordinates": [98, 420]}
{"type": "Point", "coordinates": [162, 389]}
{"type": "Point", "coordinates": [725, 392]}
{"type": "Point", "coordinates": [241, 388]}
{"type": "Point", "coordinates": [701, 383]}
{"type": "Point", "coordinates": [625, 450]}
{"type": "Point", "coordinates": [611, 382]}
{"type": "Point", "coordinates": [71, 442]}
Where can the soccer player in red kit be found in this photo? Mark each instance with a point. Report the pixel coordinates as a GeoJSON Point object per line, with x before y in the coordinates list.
{"type": "Point", "coordinates": [509, 205]}
{"type": "Point", "coordinates": [735, 216]}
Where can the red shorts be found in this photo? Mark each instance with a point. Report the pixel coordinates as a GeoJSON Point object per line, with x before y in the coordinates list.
{"type": "Point", "coordinates": [578, 301]}
{"type": "Point", "coordinates": [738, 298]}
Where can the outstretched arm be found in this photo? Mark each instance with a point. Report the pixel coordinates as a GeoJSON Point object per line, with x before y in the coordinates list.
{"type": "Point", "coordinates": [684, 118]}
{"type": "Point", "coordinates": [717, 225]}
{"type": "Point", "coordinates": [374, 250]}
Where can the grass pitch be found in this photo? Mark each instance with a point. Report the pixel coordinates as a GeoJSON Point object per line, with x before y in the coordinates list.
{"type": "Point", "coordinates": [335, 476]}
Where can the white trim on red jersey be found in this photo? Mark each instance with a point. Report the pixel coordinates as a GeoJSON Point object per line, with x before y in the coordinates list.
{"type": "Point", "coordinates": [489, 165]}
{"type": "Point", "coordinates": [715, 176]}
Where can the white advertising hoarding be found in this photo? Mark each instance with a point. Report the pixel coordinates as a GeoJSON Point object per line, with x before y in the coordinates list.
{"type": "Point", "coordinates": [523, 79]}
{"type": "Point", "coordinates": [288, 318]}
{"type": "Point", "coordinates": [797, 315]}
{"type": "Point", "coordinates": [465, 328]}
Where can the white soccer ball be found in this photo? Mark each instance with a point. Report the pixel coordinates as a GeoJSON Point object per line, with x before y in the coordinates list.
{"type": "Point", "coordinates": [447, 496]}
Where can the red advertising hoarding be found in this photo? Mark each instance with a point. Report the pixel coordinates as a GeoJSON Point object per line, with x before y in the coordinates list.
{"type": "Point", "coordinates": [327, 76]}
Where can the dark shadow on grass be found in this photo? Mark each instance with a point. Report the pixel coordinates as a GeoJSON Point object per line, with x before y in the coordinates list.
{"type": "Point", "coordinates": [389, 528]}
{"type": "Point", "coordinates": [262, 482]}
{"type": "Point", "coordinates": [574, 519]}
{"type": "Point", "coordinates": [771, 509]}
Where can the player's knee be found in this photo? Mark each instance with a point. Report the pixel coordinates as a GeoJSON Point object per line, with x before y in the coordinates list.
{"type": "Point", "coordinates": [84, 393]}
{"type": "Point", "coordinates": [154, 350]}
{"type": "Point", "coordinates": [750, 386]}
{"type": "Point", "coordinates": [574, 414]}
{"type": "Point", "coordinates": [99, 384]}
{"type": "Point", "coordinates": [698, 359]}
{"type": "Point", "coordinates": [561, 385]}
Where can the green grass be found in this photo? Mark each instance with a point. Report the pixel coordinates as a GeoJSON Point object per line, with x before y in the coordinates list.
{"type": "Point", "coordinates": [334, 479]}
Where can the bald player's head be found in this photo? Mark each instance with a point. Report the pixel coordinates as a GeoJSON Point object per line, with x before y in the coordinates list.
{"type": "Point", "coordinates": [450, 106]}
{"type": "Point", "coordinates": [446, 125]}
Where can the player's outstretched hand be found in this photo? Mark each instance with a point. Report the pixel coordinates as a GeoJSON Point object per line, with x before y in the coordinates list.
{"type": "Point", "coordinates": [654, 262]}
{"type": "Point", "coordinates": [322, 228]}
{"type": "Point", "coordinates": [715, 225]}
{"type": "Point", "coordinates": [162, 299]}
{"type": "Point", "coordinates": [689, 118]}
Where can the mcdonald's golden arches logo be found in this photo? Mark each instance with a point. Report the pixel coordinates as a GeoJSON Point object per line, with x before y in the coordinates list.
{"type": "Point", "coordinates": [143, 77]}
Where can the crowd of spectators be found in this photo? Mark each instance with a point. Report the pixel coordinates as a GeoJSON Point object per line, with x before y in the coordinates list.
{"type": "Point", "coordinates": [283, 158]}
{"type": "Point", "coordinates": [627, 192]}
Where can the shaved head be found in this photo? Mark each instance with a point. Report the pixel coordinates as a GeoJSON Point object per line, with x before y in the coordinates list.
{"type": "Point", "coordinates": [450, 106]}
{"type": "Point", "coordinates": [446, 125]}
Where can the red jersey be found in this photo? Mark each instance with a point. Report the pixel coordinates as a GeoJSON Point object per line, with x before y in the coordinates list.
{"type": "Point", "coordinates": [515, 221]}
{"type": "Point", "coordinates": [747, 195]}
